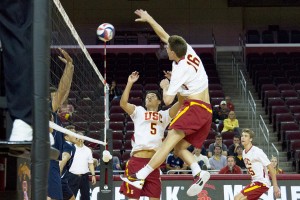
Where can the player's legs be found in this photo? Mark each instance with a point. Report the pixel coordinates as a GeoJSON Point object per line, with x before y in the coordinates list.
{"type": "Point", "coordinates": [240, 196]}
{"type": "Point", "coordinates": [182, 152]}
{"type": "Point", "coordinates": [173, 137]}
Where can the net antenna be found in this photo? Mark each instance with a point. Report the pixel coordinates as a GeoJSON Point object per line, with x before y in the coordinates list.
{"type": "Point", "coordinates": [87, 55]}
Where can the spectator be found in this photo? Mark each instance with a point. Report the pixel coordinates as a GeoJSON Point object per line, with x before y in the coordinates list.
{"type": "Point", "coordinates": [218, 161]}
{"type": "Point", "coordinates": [274, 163]}
{"type": "Point", "coordinates": [231, 167]}
{"type": "Point", "coordinates": [115, 92]}
{"type": "Point", "coordinates": [231, 123]}
{"type": "Point", "coordinates": [239, 157]}
{"type": "Point", "coordinates": [229, 103]}
{"type": "Point", "coordinates": [220, 113]}
{"type": "Point", "coordinates": [201, 159]}
{"type": "Point", "coordinates": [65, 111]}
{"type": "Point", "coordinates": [174, 163]}
{"type": "Point", "coordinates": [233, 147]}
{"type": "Point", "coordinates": [218, 141]}
{"type": "Point", "coordinates": [116, 165]}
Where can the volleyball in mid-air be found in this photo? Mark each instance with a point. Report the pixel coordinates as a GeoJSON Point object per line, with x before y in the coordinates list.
{"type": "Point", "coordinates": [106, 32]}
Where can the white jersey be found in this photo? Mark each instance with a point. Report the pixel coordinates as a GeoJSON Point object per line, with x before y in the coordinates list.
{"type": "Point", "coordinates": [149, 127]}
{"type": "Point", "coordinates": [256, 162]}
{"type": "Point", "coordinates": [188, 75]}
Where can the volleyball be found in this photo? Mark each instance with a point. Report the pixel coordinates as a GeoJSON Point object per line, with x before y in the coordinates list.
{"type": "Point", "coordinates": [106, 32]}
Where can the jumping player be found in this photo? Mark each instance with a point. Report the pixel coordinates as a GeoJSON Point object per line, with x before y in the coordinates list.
{"type": "Point", "coordinates": [149, 127]}
{"type": "Point", "coordinates": [257, 163]}
{"type": "Point", "coordinates": [192, 124]}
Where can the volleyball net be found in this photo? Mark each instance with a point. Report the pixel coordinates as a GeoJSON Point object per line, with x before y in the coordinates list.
{"type": "Point", "coordinates": [85, 104]}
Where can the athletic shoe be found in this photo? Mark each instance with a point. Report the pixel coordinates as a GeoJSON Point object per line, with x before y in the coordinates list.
{"type": "Point", "coordinates": [133, 180]}
{"type": "Point", "coordinates": [21, 131]}
{"type": "Point", "coordinates": [199, 181]}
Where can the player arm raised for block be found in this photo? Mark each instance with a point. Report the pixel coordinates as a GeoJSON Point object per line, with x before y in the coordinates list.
{"type": "Point", "coordinates": [64, 85]}
{"type": "Point", "coordinates": [145, 17]}
{"type": "Point", "coordinates": [127, 107]}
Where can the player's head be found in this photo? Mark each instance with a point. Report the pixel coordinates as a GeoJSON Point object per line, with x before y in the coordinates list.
{"type": "Point", "coordinates": [152, 100]}
{"type": "Point", "coordinates": [247, 136]}
{"type": "Point", "coordinates": [176, 48]}
{"type": "Point", "coordinates": [69, 137]}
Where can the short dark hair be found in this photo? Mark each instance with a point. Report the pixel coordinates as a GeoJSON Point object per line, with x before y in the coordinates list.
{"type": "Point", "coordinates": [178, 45]}
{"type": "Point", "coordinates": [218, 136]}
{"type": "Point", "coordinates": [157, 93]}
{"type": "Point", "coordinates": [218, 146]}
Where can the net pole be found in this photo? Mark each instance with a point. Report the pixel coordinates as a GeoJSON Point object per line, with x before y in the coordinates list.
{"type": "Point", "coordinates": [106, 93]}
{"type": "Point", "coordinates": [41, 65]}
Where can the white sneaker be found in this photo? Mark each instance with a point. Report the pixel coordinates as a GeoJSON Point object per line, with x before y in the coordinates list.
{"type": "Point", "coordinates": [199, 181]}
{"type": "Point", "coordinates": [132, 180]}
{"type": "Point", "coordinates": [21, 131]}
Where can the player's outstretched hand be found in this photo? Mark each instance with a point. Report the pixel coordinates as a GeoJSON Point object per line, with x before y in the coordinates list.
{"type": "Point", "coordinates": [168, 74]}
{"type": "Point", "coordinates": [164, 84]}
{"type": "Point", "coordinates": [67, 58]}
{"type": "Point", "coordinates": [276, 191]}
{"type": "Point", "coordinates": [133, 77]}
{"type": "Point", "coordinates": [144, 16]}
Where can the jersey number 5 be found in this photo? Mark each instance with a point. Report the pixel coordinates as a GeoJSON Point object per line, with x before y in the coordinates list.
{"type": "Point", "coordinates": [153, 129]}
{"type": "Point", "coordinates": [193, 61]}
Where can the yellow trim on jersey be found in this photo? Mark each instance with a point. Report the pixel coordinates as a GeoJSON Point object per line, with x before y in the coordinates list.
{"type": "Point", "coordinates": [186, 108]}
{"type": "Point", "coordinates": [252, 188]}
{"type": "Point", "coordinates": [127, 173]}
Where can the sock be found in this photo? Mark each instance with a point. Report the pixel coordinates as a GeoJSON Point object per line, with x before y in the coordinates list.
{"type": "Point", "coordinates": [195, 168]}
{"type": "Point", "coordinates": [144, 172]}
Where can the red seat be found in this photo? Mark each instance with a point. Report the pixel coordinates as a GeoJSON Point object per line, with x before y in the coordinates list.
{"type": "Point", "coordinates": [274, 101]}
{"type": "Point", "coordinates": [289, 93]}
{"type": "Point", "coordinates": [216, 93]}
{"type": "Point", "coordinates": [137, 86]}
{"type": "Point", "coordinates": [127, 145]}
{"type": "Point", "coordinates": [81, 126]}
{"type": "Point", "coordinates": [129, 126]}
{"type": "Point", "coordinates": [269, 94]}
{"type": "Point", "coordinates": [151, 86]}
{"type": "Point", "coordinates": [285, 86]}
{"type": "Point", "coordinates": [215, 87]}
{"type": "Point", "coordinates": [115, 102]}
{"type": "Point", "coordinates": [295, 109]}
{"type": "Point", "coordinates": [128, 134]}
{"type": "Point", "coordinates": [126, 155]}
{"type": "Point", "coordinates": [136, 101]}
{"type": "Point", "coordinates": [117, 145]}
{"type": "Point", "coordinates": [116, 109]}
{"type": "Point", "coordinates": [286, 126]}
{"type": "Point", "coordinates": [77, 117]}
{"type": "Point", "coordinates": [84, 109]}
{"type": "Point", "coordinates": [98, 109]}
{"type": "Point", "coordinates": [136, 94]}
{"type": "Point", "coordinates": [282, 117]}
{"type": "Point", "coordinates": [275, 110]}
{"type": "Point", "coordinates": [85, 102]}
{"type": "Point", "coordinates": [266, 87]}
{"type": "Point", "coordinates": [116, 126]}
{"type": "Point", "coordinates": [97, 118]}
{"type": "Point", "coordinates": [228, 142]}
{"type": "Point", "coordinates": [294, 146]}
{"type": "Point", "coordinates": [87, 94]}
{"type": "Point", "coordinates": [117, 117]}
{"type": "Point", "coordinates": [117, 135]}
{"type": "Point", "coordinates": [96, 126]}
{"type": "Point", "coordinates": [289, 136]}
{"type": "Point", "coordinates": [117, 153]}
{"type": "Point", "coordinates": [228, 135]}
{"type": "Point", "coordinates": [292, 102]}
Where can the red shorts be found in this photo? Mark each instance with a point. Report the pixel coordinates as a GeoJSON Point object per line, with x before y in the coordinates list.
{"type": "Point", "coordinates": [254, 190]}
{"type": "Point", "coordinates": [194, 118]}
{"type": "Point", "coordinates": [152, 185]}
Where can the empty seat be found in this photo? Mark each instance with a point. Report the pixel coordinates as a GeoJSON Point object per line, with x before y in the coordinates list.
{"type": "Point", "coordinates": [289, 93]}
{"type": "Point", "coordinates": [276, 110]}
{"type": "Point", "coordinates": [216, 93]}
{"type": "Point", "coordinates": [292, 102]}
{"type": "Point", "coordinates": [283, 36]}
{"type": "Point", "coordinates": [87, 94]}
{"type": "Point", "coordinates": [295, 108]}
{"type": "Point", "coordinates": [129, 126]}
{"type": "Point", "coordinates": [267, 37]}
{"type": "Point", "coordinates": [128, 134]}
{"type": "Point", "coordinates": [151, 87]}
{"type": "Point", "coordinates": [136, 101]}
{"type": "Point", "coordinates": [269, 94]}
{"type": "Point", "coordinates": [81, 126]}
{"type": "Point", "coordinates": [282, 117]}
{"type": "Point", "coordinates": [274, 101]}
{"type": "Point", "coordinates": [294, 146]}
{"type": "Point", "coordinates": [117, 117]}
{"type": "Point", "coordinates": [78, 117]}
{"type": "Point", "coordinates": [228, 135]}
{"type": "Point", "coordinates": [85, 102]}
{"type": "Point", "coordinates": [266, 87]}
{"type": "Point", "coordinates": [287, 126]}
{"type": "Point", "coordinates": [127, 145]}
{"type": "Point", "coordinates": [115, 102]}
{"type": "Point", "coordinates": [215, 87]}
{"type": "Point", "coordinates": [285, 86]}
{"type": "Point", "coordinates": [116, 109]}
{"type": "Point", "coordinates": [117, 145]}
{"type": "Point", "coordinates": [289, 136]}
{"type": "Point", "coordinates": [117, 135]}
{"type": "Point", "coordinates": [116, 126]}
{"type": "Point", "coordinates": [97, 118]}
{"type": "Point", "coordinates": [96, 126]}
{"type": "Point", "coordinates": [253, 37]}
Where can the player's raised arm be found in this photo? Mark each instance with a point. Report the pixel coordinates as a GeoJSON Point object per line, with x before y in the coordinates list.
{"type": "Point", "coordinates": [127, 107]}
{"type": "Point", "coordinates": [145, 17]}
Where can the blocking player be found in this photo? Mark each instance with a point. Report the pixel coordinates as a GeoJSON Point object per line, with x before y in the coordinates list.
{"type": "Point", "coordinates": [257, 163]}
{"type": "Point", "coordinates": [192, 124]}
{"type": "Point", "coordinates": [149, 127]}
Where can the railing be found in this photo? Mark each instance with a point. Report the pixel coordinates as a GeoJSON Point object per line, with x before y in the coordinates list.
{"type": "Point", "coordinates": [263, 136]}
{"type": "Point", "coordinates": [252, 111]}
{"type": "Point", "coordinates": [243, 84]}
{"type": "Point", "coordinates": [275, 152]}
{"type": "Point", "coordinates": [242, 45]}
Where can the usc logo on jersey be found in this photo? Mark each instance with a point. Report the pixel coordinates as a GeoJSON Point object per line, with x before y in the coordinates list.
{"type": "Point", "coordinates": [153, 116]}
